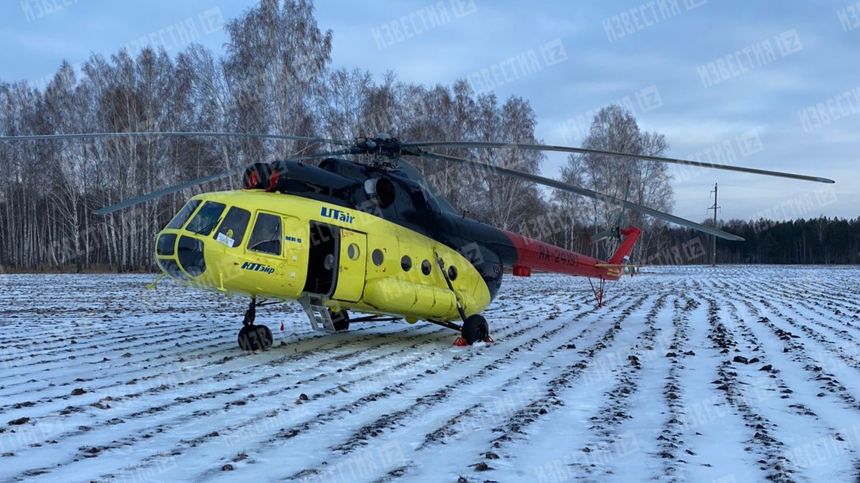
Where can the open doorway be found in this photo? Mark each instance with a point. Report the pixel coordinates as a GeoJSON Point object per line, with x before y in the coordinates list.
{"type": "Point", "coordinates": [322, 259]}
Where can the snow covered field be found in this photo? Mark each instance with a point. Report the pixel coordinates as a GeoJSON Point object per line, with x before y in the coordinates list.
{"type": "Point", "coordinates": [690, 374]}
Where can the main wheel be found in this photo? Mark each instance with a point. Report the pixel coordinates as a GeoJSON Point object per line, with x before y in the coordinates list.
{"type": "Point", "coordinates": [340, 320]}
{"type": "Point", "coordinates": [255, 337]}
{"type": "Point", "coordinates": [475, 328]}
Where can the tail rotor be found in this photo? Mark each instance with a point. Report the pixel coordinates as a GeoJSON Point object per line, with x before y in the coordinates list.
{"type": "Point", "coordinates": [614, 230]}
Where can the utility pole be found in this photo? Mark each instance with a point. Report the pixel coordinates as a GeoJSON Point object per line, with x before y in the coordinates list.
{"type": "Point", "coordinates": [714, 238]}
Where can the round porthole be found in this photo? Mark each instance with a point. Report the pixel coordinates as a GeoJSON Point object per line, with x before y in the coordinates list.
{"type": "Point", "coordinates": [452, 272]}
{"type": "Point", "coordinates": [425, 267]}
{"type": "Point", "coordinates": [353, 252]}
{"type": "Point", "coordinates": [378, 257]}
{"type": "Point", "coordinates": [406, 263]}
{"type": "Point", "coordinates": [328, 261]}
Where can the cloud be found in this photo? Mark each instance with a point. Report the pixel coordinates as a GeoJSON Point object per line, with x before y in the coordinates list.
{"type": "Point", "coordinates": [597, 70]}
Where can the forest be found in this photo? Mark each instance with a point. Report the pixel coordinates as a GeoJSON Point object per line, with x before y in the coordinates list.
{"type": "Point", "coordinates": [275, 75]}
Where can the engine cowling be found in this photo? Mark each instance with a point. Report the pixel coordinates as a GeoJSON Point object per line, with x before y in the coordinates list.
{"type": "Point", "coordinates": [256, 176]}
{"type": "Point", "coordinates": [380, 189]}
{"type": "Point", "coordinates": [294, 177]}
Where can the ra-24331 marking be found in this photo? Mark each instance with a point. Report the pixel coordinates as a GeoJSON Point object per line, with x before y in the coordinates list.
{"type": "Point", "coordinates": [559, 256]}
{"type": "Point", "coordinates": [257, 267]}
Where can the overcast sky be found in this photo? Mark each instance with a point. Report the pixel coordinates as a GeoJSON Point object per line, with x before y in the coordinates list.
{"type": "Point", "coordinates": [769, 84]}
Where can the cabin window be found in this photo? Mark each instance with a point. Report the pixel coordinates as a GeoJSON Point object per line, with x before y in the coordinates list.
{"type": "Point", "coordinates": [406, 263]}
{"type": "Point", "coordinates": [166, 244]}
{"type": "Point", "coordinates": [232, 229]}
{"type": "Point", "coordinates": [190, 254]}
{"type": "Point", "coordinates": [378, 257]}
{"type": "Point", "coordinates": [183, 215]}
{"type": "Point", "coordinates": [452, 273]}
{"type": "Point", "coordinates": [426, 267]}
{"type": "Point", "coordinates": [206, 218]}
{"type": "Point", "coordinates": [353, 252]}
{"type": "Point", "coordinates": [266, 237]}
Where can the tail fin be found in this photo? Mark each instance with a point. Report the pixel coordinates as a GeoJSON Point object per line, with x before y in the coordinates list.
{"type": "Point", "coordinates": [630, 235]}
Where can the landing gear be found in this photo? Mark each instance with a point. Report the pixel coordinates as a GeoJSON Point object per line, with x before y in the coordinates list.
{"type": "Point", "coordinates": [475, 328]}
{"type": "Point", "coordinates": [340, 320]}
{"type": "Point", "coordinates": [254, 337]}
{"type": "Point", "coordinates": [598, 291]}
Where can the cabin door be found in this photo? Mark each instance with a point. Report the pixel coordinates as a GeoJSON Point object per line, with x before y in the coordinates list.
{"type": "Point", "coordinates": [322, 259]}
{"type": "Point", "coordinates": [352, 263]}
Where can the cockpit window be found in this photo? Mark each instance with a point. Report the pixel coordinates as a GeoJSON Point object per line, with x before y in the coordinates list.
{"type": "Point", "coordinates": [266, 236]}
{"type": "Point", "coordinates": [183, 214]}
{"type": "Point", "coordinates": [232, 229]}
{"type": "Point", "coordinates": [206, 218]}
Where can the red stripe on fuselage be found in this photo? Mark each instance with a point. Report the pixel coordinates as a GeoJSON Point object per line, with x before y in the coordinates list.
{"type": "Point", "coordinates": [550, 258]}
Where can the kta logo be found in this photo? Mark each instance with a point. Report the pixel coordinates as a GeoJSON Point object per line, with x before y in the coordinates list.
{"type": "Point", "coordinates": [256, 267]}
{"type": "Point", "coordinates": [336, 215]}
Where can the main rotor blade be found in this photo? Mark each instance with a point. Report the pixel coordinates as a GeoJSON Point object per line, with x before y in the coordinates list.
{"type": "Point", "coordinates": [586, 192]}
{"type": "Point", "coordinates": [568, 149]}
{"type": "Point", "coordinates": [129, 202]}
{"type": "Point", "coordinates": [194, 182]}
{"type": "Point", "coordinates": [170, 134]}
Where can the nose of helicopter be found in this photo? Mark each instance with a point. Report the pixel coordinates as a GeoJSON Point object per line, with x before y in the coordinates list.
{"type": "Point", "coordinates": [190, 254]}
{"type": "Point", "coordinates": [180, 256]}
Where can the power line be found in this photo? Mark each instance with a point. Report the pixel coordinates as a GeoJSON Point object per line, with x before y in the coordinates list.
{"type": "Point", "coordinates": [715, 207]}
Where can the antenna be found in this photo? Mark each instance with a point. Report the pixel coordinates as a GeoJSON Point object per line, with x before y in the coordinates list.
{"type": "Point", "coordinates": [715, 207]}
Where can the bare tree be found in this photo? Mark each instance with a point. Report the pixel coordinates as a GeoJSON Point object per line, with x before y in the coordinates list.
{"type": "Point", "coordinates": [274, 67]}
{"type": "Point", "coordinates": [512, 201]}
{"type": "Point", "coordinates": [274, 77]}
{"type": "Point", "coordinates": [644, 182]}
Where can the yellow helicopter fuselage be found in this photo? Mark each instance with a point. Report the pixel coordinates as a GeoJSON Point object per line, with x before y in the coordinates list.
{"type": "Point", "coordinates": [376, 266]}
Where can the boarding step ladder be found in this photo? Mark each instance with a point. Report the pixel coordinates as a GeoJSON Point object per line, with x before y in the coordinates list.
{"type": "Point", "coordinates": [317, 313]}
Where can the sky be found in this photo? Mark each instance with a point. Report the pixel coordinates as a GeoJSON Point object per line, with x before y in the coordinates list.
{"type": "Point", "coordinates": [767, 84]}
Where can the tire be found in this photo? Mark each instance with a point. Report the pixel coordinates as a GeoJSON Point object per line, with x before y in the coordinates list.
{"type": "Point", "coordinates": [255, 337]}
{"type": "Point", "coordinates": [475, 328]}
{"type": "Point", "coordinates": [340, 320]}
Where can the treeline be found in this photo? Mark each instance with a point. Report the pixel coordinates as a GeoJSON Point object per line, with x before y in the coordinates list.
{"type": "Point", "coordinates": [828, 241]}
{"type": "Point", "coordinates": [274, 77]}
{"type": "Point", "coordinates": [814, 241]}
{"type": "Point", "coordinates": [821, 241]}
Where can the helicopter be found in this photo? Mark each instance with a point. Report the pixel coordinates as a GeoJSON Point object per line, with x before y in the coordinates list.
{"type": "Point", "coordinates": [344, 237]}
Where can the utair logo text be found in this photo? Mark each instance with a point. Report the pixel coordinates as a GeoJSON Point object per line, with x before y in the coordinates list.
{"type": "Point", "coordinates": [336, 215]}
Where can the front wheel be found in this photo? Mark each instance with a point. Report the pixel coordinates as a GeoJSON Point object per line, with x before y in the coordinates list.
{"type": "Point", "coordinates": [475, 328]}
{"type": "Point", "coordinates": [255, 337]}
